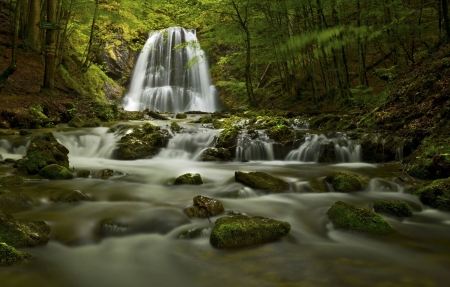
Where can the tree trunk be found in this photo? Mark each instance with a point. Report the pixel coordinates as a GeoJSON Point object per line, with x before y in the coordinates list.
{"type": "Point", "coordinates": [50, 63]}
{"type": "Point", "coordinates": [13, 65]}
{"type": "Point", "coordinates": [248, 77]}
{"type": "Point", "coordinates": [446, 20]}
{"type": "Point", "coordinates": [91, 38]}
{"type": "Point", "coordinates": [33, 31]}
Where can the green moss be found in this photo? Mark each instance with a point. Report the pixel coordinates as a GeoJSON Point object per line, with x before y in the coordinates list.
{"type": "Point", "coordinates": [12, 180]}
{"type": "Point", "coordinates": [281, 133]}
{"type": "Point", "coordinates": [55, 171]}
{"type": "Point", "coordinates": [92, 123]}
{"type": "Point", "coordinates": [73, 196]}
{"type": "Point", "coordinates": [175, 127]}
{"type": "Point", "coordinates": [261, 180]}
{"type": "Point", "coordinates": [240, 230]}
{"type": "Point", "coordinates": [436, 194]}
{"type": "Point", "coordinates": [344, 182]}
{"type": "Point", "coordinates": [228, 138]}
{"type": "Point", "coordinates": [180, 116]}
{"type": "Point", "coordinates": [9, 255]}
{"type": "Point", "coordinates": [216, 154]}
{"type": "Point", "coordinates": [4, 191]}
{"type": "Point", "coordinates": [392, 207]}
{"type": "Point", "coordinates": [17, 234]}
{"type": "Point", "coordinates": [76, 122]}
{"type": "Point", "coordinates": [352, 217]}
{"type": "Point", "coordinates": [189, 178]}
{"type": "Point", "coordinates": [15, 199]}
{"type": "Point", "coordinates": [430, 161]}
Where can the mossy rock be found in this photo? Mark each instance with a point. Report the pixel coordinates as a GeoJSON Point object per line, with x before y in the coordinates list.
{"type": "Point", "coordinates": [17, 234]}
{"type": "Point", "coordinates": [92, 123]}
{"type": "Point", "coordinates": [15, 199]}
{"type": "Point", "coordinates": [9, 255]}
{"type": "Point", "coordinates": [73, 196]}
{"type": "Point", "coordinates": [352, 217]}
{"type": "Point", "coordinates": [280, 134]}
{"type": "Point", "coordinates": [76, 122]}
{"type": "Point", "coordinates": [175, 127]}
{"type": "Point", "coordinates": [228, 138]}
{"type": "Point", "coordinates": [397, 208]}
{"type": "Point", "coordinates": [436, 167]}
{"type": "Point", "coordinates": [344, 182]}
{"type": "Point", "coordinates": [436, 194]}
{"type": "Point", "coordinates": [189, 178]}
{"type": "Point", "coordinates": [261, 180]}
{"type": "Point", "coordinates": [205, 207]}
{"type": "Point", "coordinates": [84, 173]}
{"type": "Point", "coordinates": [241, 230]}
{"type": "Point", "coordinates": [318, 185]}
{"type": "Point", "coordinates": [4, 191]}
{"type": "Point", "coordinates": [180, 116]}
{"type": "Point", "coordinates": [44, 150]}
{"type": "Point", "coordinates": [12, 180]}
{"type": "Point", "coordinates": [55, 171]}
{"type": "Point", "coordinates": [144, 142]}
{"type": "Point", "coordinates": [106, 174]}
{"type": "Point", "coordinates": [216, 154]}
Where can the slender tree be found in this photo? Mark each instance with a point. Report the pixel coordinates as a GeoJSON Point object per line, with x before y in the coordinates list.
{"type": "Point", "coordinates": [13, 65]}
{"type": "Point", "coordinates": [50, 47]}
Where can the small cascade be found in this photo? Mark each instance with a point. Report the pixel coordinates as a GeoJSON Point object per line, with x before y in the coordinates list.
{"type": "Point", "coordinates": [8, 150]}
{"type": "Point", "coordinates": [320, 148]}
{"type": "Point", "coordinates": [97, 143]}
{"type": "Point", "coordinates": [189, 146]}
{"type": "Point", "coordinates": [254, 147]}
{"type": "Point", "coordinates": [172, 75]}
{"type": "Point", "coordinates": [399, 154]}
{"type": "Point", "coordinates": [380, 184]}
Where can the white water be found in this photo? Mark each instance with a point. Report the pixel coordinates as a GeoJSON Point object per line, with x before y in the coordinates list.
{"type": "Point", "coordinates": [172, 75]}
{"type": "Point", "coordinates": [259, 148]}
{"type": "Point", "coordinates": [8, 150]}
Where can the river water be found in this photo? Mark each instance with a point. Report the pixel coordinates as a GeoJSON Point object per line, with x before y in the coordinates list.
{"type": "Point", "coordinates": [129, 233]}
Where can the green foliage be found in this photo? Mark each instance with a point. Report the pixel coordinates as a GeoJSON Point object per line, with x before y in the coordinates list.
{"type": "Point", "coordinates": [436, 194]}
{"type": "Point", "coordinates": [392, 207]}
{"type": "Point", "coordinates": [344, 182]}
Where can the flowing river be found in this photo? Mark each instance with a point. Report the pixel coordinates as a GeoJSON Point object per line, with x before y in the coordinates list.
{"type": "Point", "coordinates": [133, 230]}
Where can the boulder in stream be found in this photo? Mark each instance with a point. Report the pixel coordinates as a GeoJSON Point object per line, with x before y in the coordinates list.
{"type": "Point", "coordinates": [344, 182]}
{"type": "Point", "coordinates": [12, 180]}
{"type": "Point", "coordinates": [436, 194]}
{"type": "Point", "coordinates": [15, 199]}
{"type": "Point", "coordinates": [17, 234]}
{"type": "Point", "coordinates": [242, 230]}
{"type": "Point", "coordinates": [392, 207]}
{"type": "Point", "coordinates": [72, 196]}
{"type": "Point", "coordinates": [205, 207]}
{"type": "Point", "coordinates": [261, 180]}
{"type": "Point", "coordinates": [352, 217]}
{"type": "Point", "coordinates": [216, 154]}
{"type": "Point", "coordinates": [55, 171]}
{"type": "Point", "coordinates": [44, 150]}
{"type": "Point", "coordinates": [189, 178]}
{"type": "Point", "coordinates": [9, 255]}
{"type": "Point", "coordinates": [180, 116]}
{"type": "Point", "coordinates": [106, 174]}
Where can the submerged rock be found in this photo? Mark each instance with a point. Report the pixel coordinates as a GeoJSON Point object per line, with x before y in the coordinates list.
{"type": "Point", "coordinates": [44, 150]}
{"type": "Point", "coordinates": [397, 208]}
{"type": "Point", "coordinates": [12, 180]}
{"type": "Point", "coordinates": [205, 207]}
{"type": "Point", "coordinates": [17, 234]}
{"type": "Point", "coordinates": [9, 255]}
{"type": "Point", "coordinates": [15, 199]}
{"type": "Point", "coordinates": [436, 194]}
{"type": "Point", "coordinates": [55, 171]}
{"type": "Point", "coordinates": [352, 217]}
{"type": "Point", "coordinates": [189, 178]}
{"type": "Point", "coordinates": [344, 182]}
{"type": "Point", "coordinates": [261, 180]}
{"type": "Point", "coordinates": [216, 154]}
{"type": "Point", "coordinates": [241, 230]}
{"type": "Point", "coordinates": [73, 196]}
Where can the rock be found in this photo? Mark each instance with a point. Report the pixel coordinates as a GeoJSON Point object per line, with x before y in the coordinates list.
{"type": "Point", "coordinates": [144, 142]}
{"type": "Point", "coordinates": [216, 154]}
{"type": "Point", "coordinates": [327, 153]}
{"type": "Point", "coordinates": [205, 207]}
{"type": "Point", "coordinates": [84, 173]}
{"type": "Point", "coordinates": [4, 191]}
{"type": "Point", "coordinates": [175, 127]}
{"type": "Point", "coordinates": [436, 194]}
{"type": "Point", "coordinates": [76, 122]}
{"type": "Point", "coordinates": [228, 138]}
{"type": "Point", "coordinates": [92, 123]}
{"type": "Point", "coordinates": [189, 178]}
{"type": "Point", "coordinates": [73, 196]}
{"type": "Point", "coordinates": [181, 116]}
{"type": "Point", "coordinates": [397, 208]}
{"type": "Point", "coordinates": [262, 181]}
{"type": "Point", "coordinates": [194, 233]}
{"type": "Point", "coordinates": [344, 182]}
{"type": "Point", "coordinates": [106, 174]}
{"type": "Point", "coordinates": [117, 58]}
{"type": "Point", "coordinates": [434, 167]}
{"type": "Point", "coordinates": [4, 125]}
{"type": "Point", "coordinates": [17, 234]}
{"type": "Point", "coordinates": [12, 180]}
{"type": "Point", "coordinates": [9, 161]}
{"type": "Point", "coordinates": [25, 132]}
{"type": "Point", "coordinates": [44, 150]}
{"type": "Point", "coordinates": [353, 217]}
{"type": "Point", "coordinates": [280, 134]}
{"type": "Point", "coordinates": [241, 230]}
{"type": "Point", "coordinates": [55, 171]}
{"type": "Point", "coordinates": [155, 115]}
{"type": "Point", "coordinates": [15, 199]}
{"type": "Point", "coordinates": [9, 255]}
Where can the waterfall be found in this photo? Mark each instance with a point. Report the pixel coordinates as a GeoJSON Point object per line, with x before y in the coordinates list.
{"type": "Point", "coordinates": [8, 150]}
{"type": "Point", "coordinates": [316, 148]}
{"type": "Point", "coordinates": [257, 148]}
{"type": "Point", "coordinates": [172, 75]}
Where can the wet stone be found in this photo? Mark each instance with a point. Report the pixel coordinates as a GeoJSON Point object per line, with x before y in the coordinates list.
{"type": "Point", "coordinates": [205, 207]}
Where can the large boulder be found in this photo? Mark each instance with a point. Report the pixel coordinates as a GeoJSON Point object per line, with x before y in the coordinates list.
{"type": "Point", "coordinates": [189, 178]}
{"type": "Point", "coordinates": [44, 150]}
{"type": "Point", "coordinates": [17, 234]}
{"type": "Point", "coordinates": [216, 154]}
{"type": "Point", "coordinates": [436, 194]}
{"type": "Point", "coordinates": [344, 182]}
{"type": "Point", "coordinates": [12, 180]}
{"type": "Point", "coordinates": [205, 207]}
{"type": "Point", "coordinates": [242, 230]}
{"type": "Point", "coordinates": [261, 180]}
{"type": "Point", "coordinates": [392, 207]}
{"type": "Point", "coordinates": [352, 217]}
{"type": "Point", "coordinates": [55, 171]}
{"type": "Point", "coordinates": [144, 142]}
{"type": "Point", "coordinates": [9, 255]}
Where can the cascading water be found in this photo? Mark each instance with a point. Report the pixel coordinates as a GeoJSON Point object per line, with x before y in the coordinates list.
{"type": "Point", "coordinates": [8, 150]}
{"type": "Point", "coordinates": [313, 148]}
{"type": "Point", "coordinates": [259, 147]}
{"type": "Point", "coordinates": [172, 75]}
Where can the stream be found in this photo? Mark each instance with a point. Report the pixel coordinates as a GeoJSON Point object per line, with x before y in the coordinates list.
{"type": "Point", "coordinates": [133, 230]}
